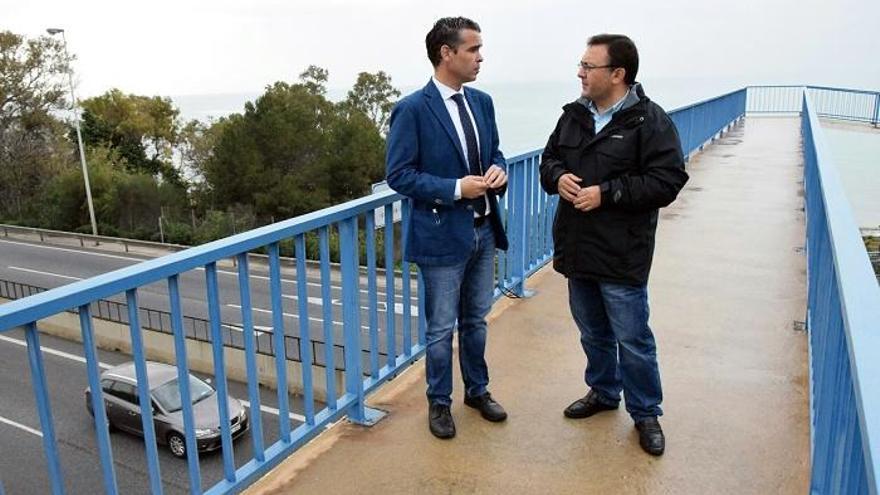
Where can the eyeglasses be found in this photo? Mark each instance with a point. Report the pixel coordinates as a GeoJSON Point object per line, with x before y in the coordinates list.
{"type": "Point", "coordinates": [587, 67]}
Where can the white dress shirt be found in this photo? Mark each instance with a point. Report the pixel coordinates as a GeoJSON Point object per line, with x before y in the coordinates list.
{"type": "Point", "coordinates": [446, 93]}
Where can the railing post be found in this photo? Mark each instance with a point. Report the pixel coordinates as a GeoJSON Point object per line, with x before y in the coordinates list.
{"type": "Point", "coordinates": [44, 409]}
{"type": "Point", "coordinates": [876, 118]}
{"type": "Point", "coordinates": [354, 381]}
{"type": "Point", "coordinates": [519, 217]}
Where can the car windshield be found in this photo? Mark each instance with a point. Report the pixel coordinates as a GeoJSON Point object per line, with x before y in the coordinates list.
{"type": "Point", "coordinates": [168, 394]}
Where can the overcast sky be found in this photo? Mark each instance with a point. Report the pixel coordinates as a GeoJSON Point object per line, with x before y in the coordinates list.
{"type": "Point", "coordinates": [184, 47]}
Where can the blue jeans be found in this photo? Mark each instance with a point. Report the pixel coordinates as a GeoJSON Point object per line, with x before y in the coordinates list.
{"type": "Point", "coordinates": [462, 293]}
{"type": "Point", "coordinates": [620, 348]}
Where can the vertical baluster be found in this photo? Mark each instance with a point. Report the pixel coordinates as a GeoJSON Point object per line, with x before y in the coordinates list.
{"type": "Point", "coordinates": [192, 457]}
{"type": "Point", "coordinates": [390, 296]}
{"type": "Point", "coordinates": [278, 333]}
{"type": "Point", "coordinates": [217, 344]}
{"type": "Point", "coordinates": [250, 356]}
{"type": "Point", "coordinates": [44, 410]}
{"type": "Point", "coordinates": [305, 341]}
{"type": "Point", "coordinates": [372, 293]}
{"type": "Point", "coordinates": [146, 404]}
{"type": "Point", "coordinates": [327, 308]}
{"type": "Point", "coordinates": [407, 289]}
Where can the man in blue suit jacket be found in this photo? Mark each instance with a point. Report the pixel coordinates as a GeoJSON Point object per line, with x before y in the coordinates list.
{"type": "Point", "coordinates": [443, 153]}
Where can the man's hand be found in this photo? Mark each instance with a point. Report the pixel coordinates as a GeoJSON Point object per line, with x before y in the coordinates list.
{"type": "Point", "coordinates": [473, 186]}
{"type": "Point", "coordinates": [495, 177]}
{"type": "Point", "coordinates": [589, 198]}
{"type": "Point", "coordinates": [569, 186]}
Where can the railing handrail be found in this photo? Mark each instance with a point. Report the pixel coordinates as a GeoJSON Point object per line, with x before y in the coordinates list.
{"type": "Point", "coordinates": [859, 296]}
{"type": "Point", "coordinates": [846, 90]}
{"type": "Point", "coordinates": [44, 304]}
{"type": "Point", "coordinates": [706, 101]}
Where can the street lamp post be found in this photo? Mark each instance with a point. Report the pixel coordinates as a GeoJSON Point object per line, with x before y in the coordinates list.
{"type": "Point", "coordinates": [82, 153]}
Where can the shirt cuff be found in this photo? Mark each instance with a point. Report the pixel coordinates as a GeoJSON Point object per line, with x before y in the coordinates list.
{"type": "Point", "coordinates": [457, 194]}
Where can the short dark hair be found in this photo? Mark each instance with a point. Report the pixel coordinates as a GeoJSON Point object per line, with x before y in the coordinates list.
{"type": "Point", "coordinates": [622, 53]}
{"type": "Point", "coordinates": [447, 31]}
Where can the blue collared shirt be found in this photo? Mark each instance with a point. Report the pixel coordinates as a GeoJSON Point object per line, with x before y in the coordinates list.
{"type": "Point", "coordinates": [602, 119]}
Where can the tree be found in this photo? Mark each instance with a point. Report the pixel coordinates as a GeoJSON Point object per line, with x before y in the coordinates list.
{"type": "Point", "coordinates": [127, 204]}
{"type": "Point", "coordinates": [292, 151]}
{"type": "Point", "coordinates": [374, 95]}
{"type": "Point", "coordinates": [315, 80]}
{"type": "Point", "coordinates": [33, 146]}
{"type": "Point", "coordinates": [144, 130]}
{"type": "Point", "coordinates": [196, 145]}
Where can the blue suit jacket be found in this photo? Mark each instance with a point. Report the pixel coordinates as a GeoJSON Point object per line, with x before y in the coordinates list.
{"type": "Point", "coordinates": [424, 159]}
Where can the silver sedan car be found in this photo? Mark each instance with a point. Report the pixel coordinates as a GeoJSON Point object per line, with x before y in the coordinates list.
{"type": "Point", "coordinates": [121, 402]}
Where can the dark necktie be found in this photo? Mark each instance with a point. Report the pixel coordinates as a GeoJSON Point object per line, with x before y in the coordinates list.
{"type": "Point", "coordinates": [473, 154]}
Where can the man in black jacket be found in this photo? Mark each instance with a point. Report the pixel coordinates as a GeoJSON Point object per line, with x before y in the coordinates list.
{"type": "Point", "coordinates": [614, 159]}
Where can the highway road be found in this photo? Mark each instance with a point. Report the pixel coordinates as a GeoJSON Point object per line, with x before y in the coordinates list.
{"type": "Point", "coordinates": [49, 266]}
{"type": "Point", "coordinates": [22, 463]}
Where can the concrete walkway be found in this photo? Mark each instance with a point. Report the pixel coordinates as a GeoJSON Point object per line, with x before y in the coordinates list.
{"type": "Point", "coordinates": [728, 283]}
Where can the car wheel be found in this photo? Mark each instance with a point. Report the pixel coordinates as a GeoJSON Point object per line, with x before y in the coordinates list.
{"type": "Point", "coordinates": [177, 445]}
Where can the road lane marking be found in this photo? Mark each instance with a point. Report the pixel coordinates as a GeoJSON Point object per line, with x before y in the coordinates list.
{"type": "Point", "coordinates": [258, 329]}
{"type": "Point", "coordinates": [28, 270]}
{"type": "Point", "coordinates": [381, 306]}
{"type": "Point", "coordinates": [140, 260]}
{"type": "Point", "coordinates": [291, 315]}
{"type": "Point", "coordinates": [54, 352]}
{"type": "Point", "coordinates": [276, 412]}
{"type": "Point", "coordinates": [21, 426]}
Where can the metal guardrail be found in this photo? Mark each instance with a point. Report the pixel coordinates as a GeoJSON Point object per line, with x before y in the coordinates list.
{"type": "Point", "coordinates": [843, 313]}
{"type": "Point", "coordinates": [836, 103]}
{"type": "Point", "coordinates": [874, 257]}
{"type": "Point", "coordinates": [197, 329]}
{"type": "Point", "coordinates": [94, 240]}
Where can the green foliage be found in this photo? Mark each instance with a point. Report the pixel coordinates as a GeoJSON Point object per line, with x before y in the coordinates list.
{"type": "Point", "coordinates": [374, 96]}
{"type": "Point", "coordinates": [178, 233]}
{"type": "Point", "coordinates": [124, 202]}
{"type": "Point", "coordinates": [292, 151]}
{"type": "Point", "coordinates": [289, 152]}
{"type": "Point", "coordinates": [314, 79]}
{"type": "Point", "coordinates": [33, 146]}
{"type": "Point", "coordinates": [142, 129]}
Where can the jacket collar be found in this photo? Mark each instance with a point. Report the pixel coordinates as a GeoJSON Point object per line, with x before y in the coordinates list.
{"type": "Point", "coordinates": [437, 105]}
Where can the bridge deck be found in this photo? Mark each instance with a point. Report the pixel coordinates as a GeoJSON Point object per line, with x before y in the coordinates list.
{"type": "Point", "coordinates": [727, 285]}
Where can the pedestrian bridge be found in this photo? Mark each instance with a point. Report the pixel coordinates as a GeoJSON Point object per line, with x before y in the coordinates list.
{"type": "Point", "coordinates": [764, 305]}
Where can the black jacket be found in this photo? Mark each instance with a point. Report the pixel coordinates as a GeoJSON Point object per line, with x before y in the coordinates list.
{"type": "Point", "coordinates": [637, 161]}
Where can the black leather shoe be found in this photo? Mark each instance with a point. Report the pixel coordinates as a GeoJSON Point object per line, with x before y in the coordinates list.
{"type": "Point", "coordinates": [489, 409]}
{"type": "Point", "coordinates": [651, 436]}
{"type": "Point", "coordinates": [587, 406]}
{"type": "Point", "coordinates": [440, 421]}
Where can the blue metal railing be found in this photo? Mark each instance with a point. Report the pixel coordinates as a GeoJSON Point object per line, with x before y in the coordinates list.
{"type": "Point", "coordinates": [527, 213]}
{"type": "Point", "coordinates": [843, 314]}
{"type": "Point", "coordinates": [401, 349]}
{"type": "Point", "coordinates": [775, 99]}
{"type": "Point", "coordinates": [836, 103]}
{"type": "Point", "coordinates": [699, 123]}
